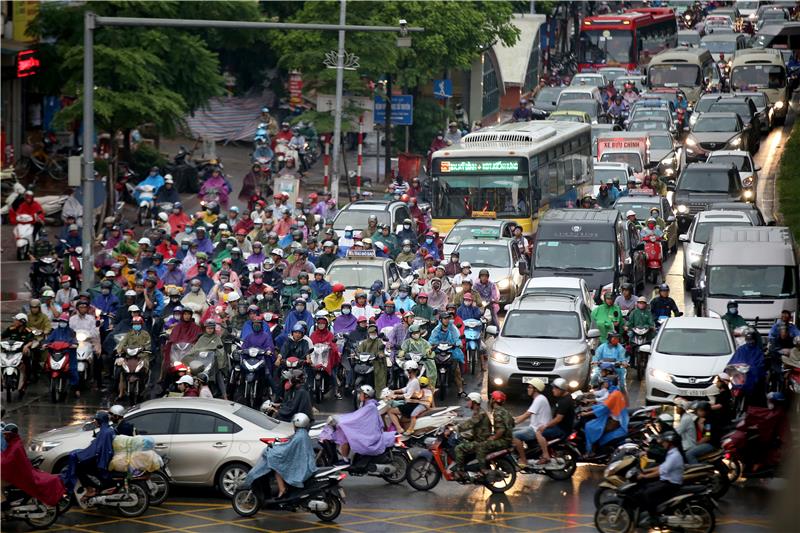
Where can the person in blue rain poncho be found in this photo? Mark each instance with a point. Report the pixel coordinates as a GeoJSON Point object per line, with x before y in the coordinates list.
{"type": "Point", "coordinates": [154, 179]}
{"type": "Point", "coordinates": [446, 332]}
{"type": "Point", "coordinates": [293, 462]}
{"type": "Point", "coordinates": [610, 422]}
{"type": "Point", "coordinates": [94, 459]}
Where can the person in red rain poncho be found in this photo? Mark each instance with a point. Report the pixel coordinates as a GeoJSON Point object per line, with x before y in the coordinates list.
{"type": "Point", "coordinates": [323, 335]}
{"type": "Point", "coordinates": [438, 143]}
{"type": "Point", "coordinates": [28, 206]}
{"type": "Point", "coordinates": [178, 220]}
{"type": "Point", "coordinates": [418, 215]}
{"type": "Point", "coordinates": [18, 471]}
{"type": "Point", "coordinates": [184, 331]}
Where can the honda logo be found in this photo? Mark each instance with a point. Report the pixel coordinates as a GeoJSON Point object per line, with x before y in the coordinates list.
{"type": "Point", "coordinates": [692, 380]}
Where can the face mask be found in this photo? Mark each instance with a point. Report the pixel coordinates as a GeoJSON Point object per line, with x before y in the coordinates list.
{"type": "Point", "coordinates": [137, 327]}
{"type": "Point", "coordinates": [402, 294]}
{"type": "Point", "coordinates": [348, 234]}
{"type": "Point", "coordinates": [642, 306]}
{"type": "Point", "coordinates": [428, 241]}
{"type": "Point", "coordinates": [62, 324]}
{"type": "Point", "coordinates": [406, 226]}
{"type": "Point", "coordinates": [406, 249]}
{"type": "Point", "coordinates": [256, 326]}
{"type": "Point", "coordinates": [258, 281]}
{"type": "Point", "coordinates": [105, 291]}
{"type": "Point", "coordinates": [415, 336]}
{"type": "Point", "coordinates": [65, 286]}
{"type": "Point", "coordinates": [304, 296]}
{"type": "Point", "coordinates": [733, 311]}
{"type": "Point", "coordinates": [299, 308]}
{"type": "Point", "coordinates": [195, 288]}
{"type": "Point", "coordinates": [345, 311]}
{"type": "Point", "coordinates": [373, 336]}
{"type": "Point", "coordinates": [454, 259]}
{"type": "Point", "coordinates": [468, 303]}
{"type": "Point", "coordinates": [439, 137]}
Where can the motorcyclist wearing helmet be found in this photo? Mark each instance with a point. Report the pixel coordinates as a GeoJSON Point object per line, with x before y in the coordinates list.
{"type": "Point", "coordinates": [404, 302]}
{"type": "Point", "coordinates": [203, 391]}
{"type": "Point", "coordinates": [416, 344]}
{"type": "Point", "coordinates": [407, 254]}
{"type": "Point", "coordinates": [618, 108]}
{"type": "Point", "coordinates": [446, 332]}
{"type": "Point", "coordinates": [299, 313]}
{"type": "Point", "coordinates": [479, 427]}
{"type": "Point", "coordinates": [361, 307]}
{"type": "Point", "coordinates": [537, 414]}
{"type": "Point", "coordinates": [489, 293]}
{"type": "Point", "coordinates": [750, 353]}
{"type": "Point", "coordinates": [322, 334]}
{"type": "Point", "coordinates": [626, 301]}
{"type": "Point", "coordinates": [732, 316]}
{"type": "Point", "coordinates": [668, 476]}
{"type": "Point", "coordinates": [408, 233]}
{"type": "Point", "coordinates": [663, 305]}
{"type": "Point", "coordinates": [607, 316]}
{"type": "Point", "coordinates": [784, 320]}
{"type": "Point", "coordinates": [297, 400]}
{"type": "Point", "coordinates": [293, 462]}
{"type": "Point", "coordinates": [640, 316]}
{"type": "Point", "coordinates": [650, 228]}
{"type": "Point", "coordinates": [210, 341]}
{"type": "Point", "coordinates": [19, 331]}
{"type": "Point", "coordinates": [115, 415]}
{"type": "Point", "coordinates": [614, 352]}
{"type": "Point", "coordinates": [373, 344]}
{"type": "Point", "coordinates": [422, 309]}
{"type": "Point", "coordinates": [503, 427]}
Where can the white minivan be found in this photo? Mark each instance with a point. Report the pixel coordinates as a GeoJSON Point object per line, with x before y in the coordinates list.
{"type": "Point", "coordinates": [686, 355]}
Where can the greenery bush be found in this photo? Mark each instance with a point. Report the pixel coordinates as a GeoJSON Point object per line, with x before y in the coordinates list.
{"type": "Point", "coordinates": [144, 158]}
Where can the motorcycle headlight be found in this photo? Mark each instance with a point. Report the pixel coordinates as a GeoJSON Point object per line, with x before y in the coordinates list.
{"type": "Point", "coordinates": [779, 104]}
{"type": "Point", "coordinates": [690, 141]}
{"type": "Point", "coordinates": [660, 375]}
{"type": "Point", "coordinates": [575, 359]}
{"type": "Point", "coordinates": [748, 194]}
{"type": "Point", "coordinates": [81, 336]}
{"type": "Point", "coordinates": [682, 209]}
{"type": "Point", "coordinates": [501, 358]}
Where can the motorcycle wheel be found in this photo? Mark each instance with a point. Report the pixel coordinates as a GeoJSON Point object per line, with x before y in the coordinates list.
{"type": "Point", "coordinates": [400, 462]}
{"type": "Point", "coordinates": [509, 476]}
{"type": "Point", "coordinates": [140, 216]}
{"type": "Point", "coordinates": [734, 469]}
{"type": "Point", "coordinates": [160, 493]}
{"type": "Point", "coordinates": [334, 508]}
{"type": "Point", "coordinates": [51, 515]}
{"type": "Point", "coordinates": [53, 391]}
{"type": "Point", "coordinates": [7, 386]}
{"type": "Point", "coordinates": [423, 474]}
{"type": "Point", "coordinates": [604, 495]}
{"type": "Point", "coordinates": [570, 465]}
{"type": "Point", "coordinates": [641, 365]}
{"type": "Point", "coordinates": [701, 513]}
{"type": "Point", "coordinates": [64, 503]}
{"type": "Point", "coordinates": [612, 517]}
{"type": "Point", "coordinates": [472, 357]}
{"type": "Point", "coordinates": [143, 501]}
{"type": "Point", "coordinates": [246, 502]}
{"type": "Point", "coordinates": [318, 392]}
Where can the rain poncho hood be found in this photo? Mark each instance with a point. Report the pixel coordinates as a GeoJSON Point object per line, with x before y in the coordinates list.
{"type": "Point", "coordinates": [17, 470]}
{"type": "Point", "coordinates": [363, 429]}
{"type": "Point", "coordinates": [293, 460]}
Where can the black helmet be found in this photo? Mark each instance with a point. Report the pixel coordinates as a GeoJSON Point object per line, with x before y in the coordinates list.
{"type": "Point", "coordinates": [663, 287]}
{"type": "Point", "coordinates": [627, 286]}
{"type": "Point", "coordinates": [482, 272]}
{"type": "Point", "coordinates": [202, 377]}
{"type": "Point", "coordinates": [704, 405]}
{"type": "Point", "coordinates": [671, 437]}
{"type": "Point", "coordinates": [750, 335]}
{"type": "Point", "coordinates": [298, 376]}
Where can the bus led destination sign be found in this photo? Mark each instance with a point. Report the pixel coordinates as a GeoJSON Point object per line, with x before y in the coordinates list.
{"type": "Point", "coordinates": [481, 166]}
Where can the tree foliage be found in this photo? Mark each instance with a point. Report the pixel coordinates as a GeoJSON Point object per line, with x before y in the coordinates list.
{"type": "Point", "coordinates": [141, 74]}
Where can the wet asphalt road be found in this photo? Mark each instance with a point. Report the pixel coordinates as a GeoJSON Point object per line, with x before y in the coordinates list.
{"type": "Point", "coordinates": [535, 503]}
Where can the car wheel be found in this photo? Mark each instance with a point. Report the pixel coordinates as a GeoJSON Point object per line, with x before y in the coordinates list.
{"type": "Point", "coordinates": [230, 477]}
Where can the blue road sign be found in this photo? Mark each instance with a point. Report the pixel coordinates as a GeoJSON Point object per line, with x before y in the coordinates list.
{"type": "Point", "coordinates": [443, 89]}
{"type": "Point", "coordinates": [402, 110]}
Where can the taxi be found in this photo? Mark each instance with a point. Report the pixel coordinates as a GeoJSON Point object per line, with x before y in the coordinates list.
{"type": "Point", "coordinates": [359, 269]}
{"type": "Point", "coordinates": [467, 228]}
{"type": "Point", "coordinates": [507, 268]}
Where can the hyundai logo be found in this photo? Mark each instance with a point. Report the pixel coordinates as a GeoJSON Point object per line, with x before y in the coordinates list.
{"type": "Point", "coordinates": [535, 363]}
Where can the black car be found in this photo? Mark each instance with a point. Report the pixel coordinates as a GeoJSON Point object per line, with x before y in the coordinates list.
{"type": "Point", "coordinates": [718, 131]}
{"type": "Point", "coordinates": [745, 107]}
{"type": "Point", "coordinates": [545, 97]}
{"type": "Point", "coordinates": [702, 184]}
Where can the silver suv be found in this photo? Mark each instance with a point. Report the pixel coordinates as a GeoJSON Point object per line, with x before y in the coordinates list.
{"type": "Point", "coordinates": [545, 335]}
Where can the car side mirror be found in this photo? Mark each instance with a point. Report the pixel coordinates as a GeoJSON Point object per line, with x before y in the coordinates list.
{"type": "Point", "coordinates": [645, 348]}
{"type": "Point", "coordinates": [593, 334]}
{"type": "Point", "coordinates": [523, 267]}
{"type": "Point", "coordinates": [758, 168]}
{"type": "Point", "coordinates": [683, 237]}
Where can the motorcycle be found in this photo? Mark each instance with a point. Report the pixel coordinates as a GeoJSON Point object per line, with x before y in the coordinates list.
{"type": "Point", "coordinates": [252, 368]}
{"type": "Point", "coordinates": [473, 333]}
{"type": "Point", "coordinates": [363, 365]}
{"type": "Point", "coordinates": [654, 254]}
{"type": "Point", "coordinates": [135, 373]}
{"type": "Point", "coordinates": [391, 465]}
{"type": "Point", "coordinates": [84, 357]}
{"type": "Point", "coordinates": [443, 354]}
{"type": "Point", "coordinates": [57, 365]}
{"type": "Point", "coordinates": [199, 362]}
{"type": "Point", "coordinates": [44, 272]}
{"type": "Point", "coordinates": [283, 151]}
{"type": "Point", "coordinates": [691, 509]}
{"type": "Point", "coordinates": [23, 235]}
{"type": "Point", "coordinates": [17, 505]}
{"type": "Point", "coordinates": [754, 448]}
{"type": "Point", "coordinates": [73, 266]}
{"type": "Point", "coordinates": [12, 367]}
{"type": "Point", "coordinates": [431, 465]}
{"type": "Point", "coordinates": [639, 337]}
{"type": "Point", "coordinates": [738, 374]}
{"type": "Point", "coordinates": [129, 495]}
{"type": "Point", "coordinates": [319, 361]}
{"type": "Point", "coordinates": [147, 196]}
{"type": "Point", "coordinates": [564, 457]}
{"type": "Point", "coordinates": [321, 494]}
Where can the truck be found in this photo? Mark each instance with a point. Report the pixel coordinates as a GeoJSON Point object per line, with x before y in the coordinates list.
{"type": "Point", "coordinates": [630, 148]}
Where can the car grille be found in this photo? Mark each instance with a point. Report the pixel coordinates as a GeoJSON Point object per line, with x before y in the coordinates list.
{"type": "Point", "coordinates": [693, 382]}
{"type": "Point", "coordinates": [536, 364]}
{"type": "Point", "coordinates": [712, 146]}
{"type": "Point", "coordinates": [696, 207]}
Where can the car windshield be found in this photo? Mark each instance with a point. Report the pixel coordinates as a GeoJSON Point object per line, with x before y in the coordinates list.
{"type": "Point", "coordinates": [660, 142]}
{"type": "Point", "coordinates": [631, 159]}
{"type": "Point", "coordinates": [554, 290]}
{"type": "Point", "coordinates": [602, 175]}
{"type": "Point", "coordinates": [358, 218]}
{"type": "Point", "coordinates": [577, 95]}
{"type": "Point", "coordinates": [568, 118]}
{"type": "Point", "coordinates": [606, 46]}
{"type": "Point", "coordinates": [674, 76]}
{"type": "Point", "coordinates": [485, 255]}
{"type": "Point", "coordinates": [752, 281]}
{"type": "Point", "coordinates": [690, 38]}
{"type": "Point", "coordinates": [589, 80]}
{"type": "Point", "coordinates": [748, 76]}
{"type": "Point", "coordinates": [704, 104]}
{"type": "Point", "coordinates": [704, 182]}
{"type": "Point", "coordinates": [459, 233]}
{"type": "Point", "coordinates": [587, 106]}
{"type": "Point", "coordinates": [564, 255]}
{"type": "Point", "coordinates": [717, 47]}
{"type": "Point", "coordinates": [703, 230]}
{"type": "Point", "coordinates": [715, 124]}
{"type": "Point", "coordinates": [740, 108]}
{"type": "Point", "coordinates": [542, 325]}
{"type": "Point", "coordinates": [742, 162]}
{"type": "Point", "coordinates": [256, 417]}
{"type": "Point", "coordinates": [355, 276]}
{"type": "Point", "coordinates": [706, 342]}
{"type": "Point", "coordinates": [642, 210]}
{"type": "Point", "coordinates": [546, 96]}
{"type": "Point", "coordinates": [759, 99]}
{"type": "Point", "coordinates": [651, 111]}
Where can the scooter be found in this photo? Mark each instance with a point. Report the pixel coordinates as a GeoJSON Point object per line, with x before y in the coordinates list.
{"type": "Point", "coordinates": [23, 235]}
{"type": "Point", "coordinates": [12, 367]}
{"type": "Point", "coordinates": [135, 373]}
{"type": "Point", "coordinates": [443, 353]}
{"type": "Point", "coordinates": [391, 465]}
{"type": "Point", "coordinates": [321, 494]}
{"type": "Point", "coordinates": [363, 373]}
{"type": "Point", "coordinates": [252, 368]}
{"type": "Point", "coordinates": [73, 266]}
{"type": "Point", "coordinates": [437, 462]}
{"type": "Point", "coordinates": [564, 457]}
{"type": "Point", "coordinates": [654, 253]}
{"type": "Point", "coordinates": [130, 497]}
{"type": "Point", "coordinates": [754, 448]}
{"type": "Point", "coordinates": [319, 361]}
{"type": "Point", "coordinates": [638, 338]}
{"type": "Point", "coordinates": [57, 365]}
{"type": "Point", "coordinates": [147, 196]}
{"type": "Point", "coordinates": [44, 272]}
{"type": "Point", "coordinates": [473, 333]}
{"type": "Point", "coordinates": [85, 358]}
{"type": "Point", "coordinates": [17, 505]}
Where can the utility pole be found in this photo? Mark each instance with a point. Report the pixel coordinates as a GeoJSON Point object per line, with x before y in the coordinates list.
{"type": "Point", "coordinates": [337, 114]}
{"type": "Point", "coordinates": [387, 167]}
{"type": "Point", "coordinates": [88, 150]}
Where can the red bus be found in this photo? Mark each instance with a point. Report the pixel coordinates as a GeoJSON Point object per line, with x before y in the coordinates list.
{"type": "Point", "coordinates": [627, 39]}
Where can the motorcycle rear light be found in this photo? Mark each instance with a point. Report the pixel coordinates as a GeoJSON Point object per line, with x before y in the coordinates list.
{"type": "Point", "coordinates": [399, 442]}
{"type": "Point", "coordinates": [272, 440]}
{"type": "Point", "coordinates": [342, 475]}
{"type": "Point", "coordinates": [574, 436]}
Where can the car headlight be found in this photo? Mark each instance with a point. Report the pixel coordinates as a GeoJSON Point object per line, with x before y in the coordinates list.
{"type": "Point", "coordinates": [779, 104]}
{"type": "Point", "coordinates": [576, 359]}
{"type": "Point", "coordinates": [44, 446]}
{"type": "Point", "coordinates": [669, 172]}
{"type": "Point", "coordinates": [748, 181]}
{"type": "Point", "coordinates": [748, 194]}
{"type": "Point", "coordinates": [690, 142]}
{"type": "Point", "coordinates": [682, 209]}
{"type": "Point", "coordinates": [500, 357]}
{"type": "Point", "coordinates": [735, 142]}
{"type": "Point", "coordinates": [692, 120]}
{"type": "Point", "coordinates": [504, 284]}
{"type": "Point", "coordinates": [660, 375]}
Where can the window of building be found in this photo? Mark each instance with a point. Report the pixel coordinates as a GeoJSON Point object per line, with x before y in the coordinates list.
{"type": "Point", "coordinates": [491, 88]}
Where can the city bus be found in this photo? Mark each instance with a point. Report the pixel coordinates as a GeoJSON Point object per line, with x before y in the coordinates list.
{"type": "Point", "coordinates": [762, 69]}
{"type": "Point", "coordinates": [627, 40]}
{"type": "Point", "coordinates": [511, 171]}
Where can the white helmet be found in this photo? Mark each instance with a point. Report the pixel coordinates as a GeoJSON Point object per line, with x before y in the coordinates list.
{"type": "Point", "coordinates": [268, 406]}
{"type": "Point", "coordinates": [117, 410]}
{"type": "Point", "coordinates": [301, 420]}
{"type": "Point", "coordinates": [186, 380]}
{"type": "Point", "coordinates": [561, 383]}
{"type": "Point", "coordinates": [475, 397]}
{"type": "Point", "coordinates": [233, 297]}
{"type": "Point", "coordinates": [630, 212]}
{"type": "Point", "coordinates": [367, 390]}
{"type": "Point", "coordinates": [163, 216]}
{"type": "Point", "coordinates": [410, 365]}
{"type": "Point", "coordinates": [387, 394]}
{"type": "Point", "coordinates": [134, 309]}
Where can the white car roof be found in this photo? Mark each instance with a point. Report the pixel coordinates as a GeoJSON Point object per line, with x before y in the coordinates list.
{"type": "Point", "coordinates": [616, 165]}
{"type": "Point", "coordinates": [694, 322]}
{"type": "Point", "coordinates": [740, 153]}
{"type": "Point", "coordinates": [719, 215]}
{"type": "Point", "coordinates": [554, 281]}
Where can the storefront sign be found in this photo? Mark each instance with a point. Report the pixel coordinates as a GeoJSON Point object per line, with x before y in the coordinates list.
{"type": "Point", "coordinates": [27, 63]}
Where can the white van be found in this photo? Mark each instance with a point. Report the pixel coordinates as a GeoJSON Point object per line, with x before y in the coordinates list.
{"type": "Point", "coordinates": [582, 92]}
{"type": "Point", "coordinates": [756, 267]}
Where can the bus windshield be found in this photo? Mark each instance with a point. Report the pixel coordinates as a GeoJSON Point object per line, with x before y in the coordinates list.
{"type": "Point", "coordinates": [606, 46]}
{"type": "Point", "coordinates": [674, 76]}
{"type": "Point", "coordinates": [747, 76]}
{"type": "Point", "coordinates": [460, 196]}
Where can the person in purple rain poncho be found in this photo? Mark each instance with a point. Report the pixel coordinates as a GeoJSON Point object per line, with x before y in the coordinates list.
{"type": "Point", "coordinates": [345, 322]}
{"type": "Point", "coordinates": [388, 319]}
{"type": "Point", "coordinates": [217, 182]}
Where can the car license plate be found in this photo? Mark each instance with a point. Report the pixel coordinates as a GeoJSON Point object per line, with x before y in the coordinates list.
{"type": "Point", "coordinates": [529, 379]}
{"type": "Point", "coordinates": [693, 392]}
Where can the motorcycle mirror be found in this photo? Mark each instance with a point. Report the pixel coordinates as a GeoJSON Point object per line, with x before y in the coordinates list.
{"type": "Point", "coordinates": [645, 348]}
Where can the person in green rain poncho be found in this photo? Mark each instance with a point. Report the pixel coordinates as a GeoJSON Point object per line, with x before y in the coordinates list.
{"type": "Point", "coordinates": [416, 344]}
{"type": "Point", "coordinates": [374, 345]}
